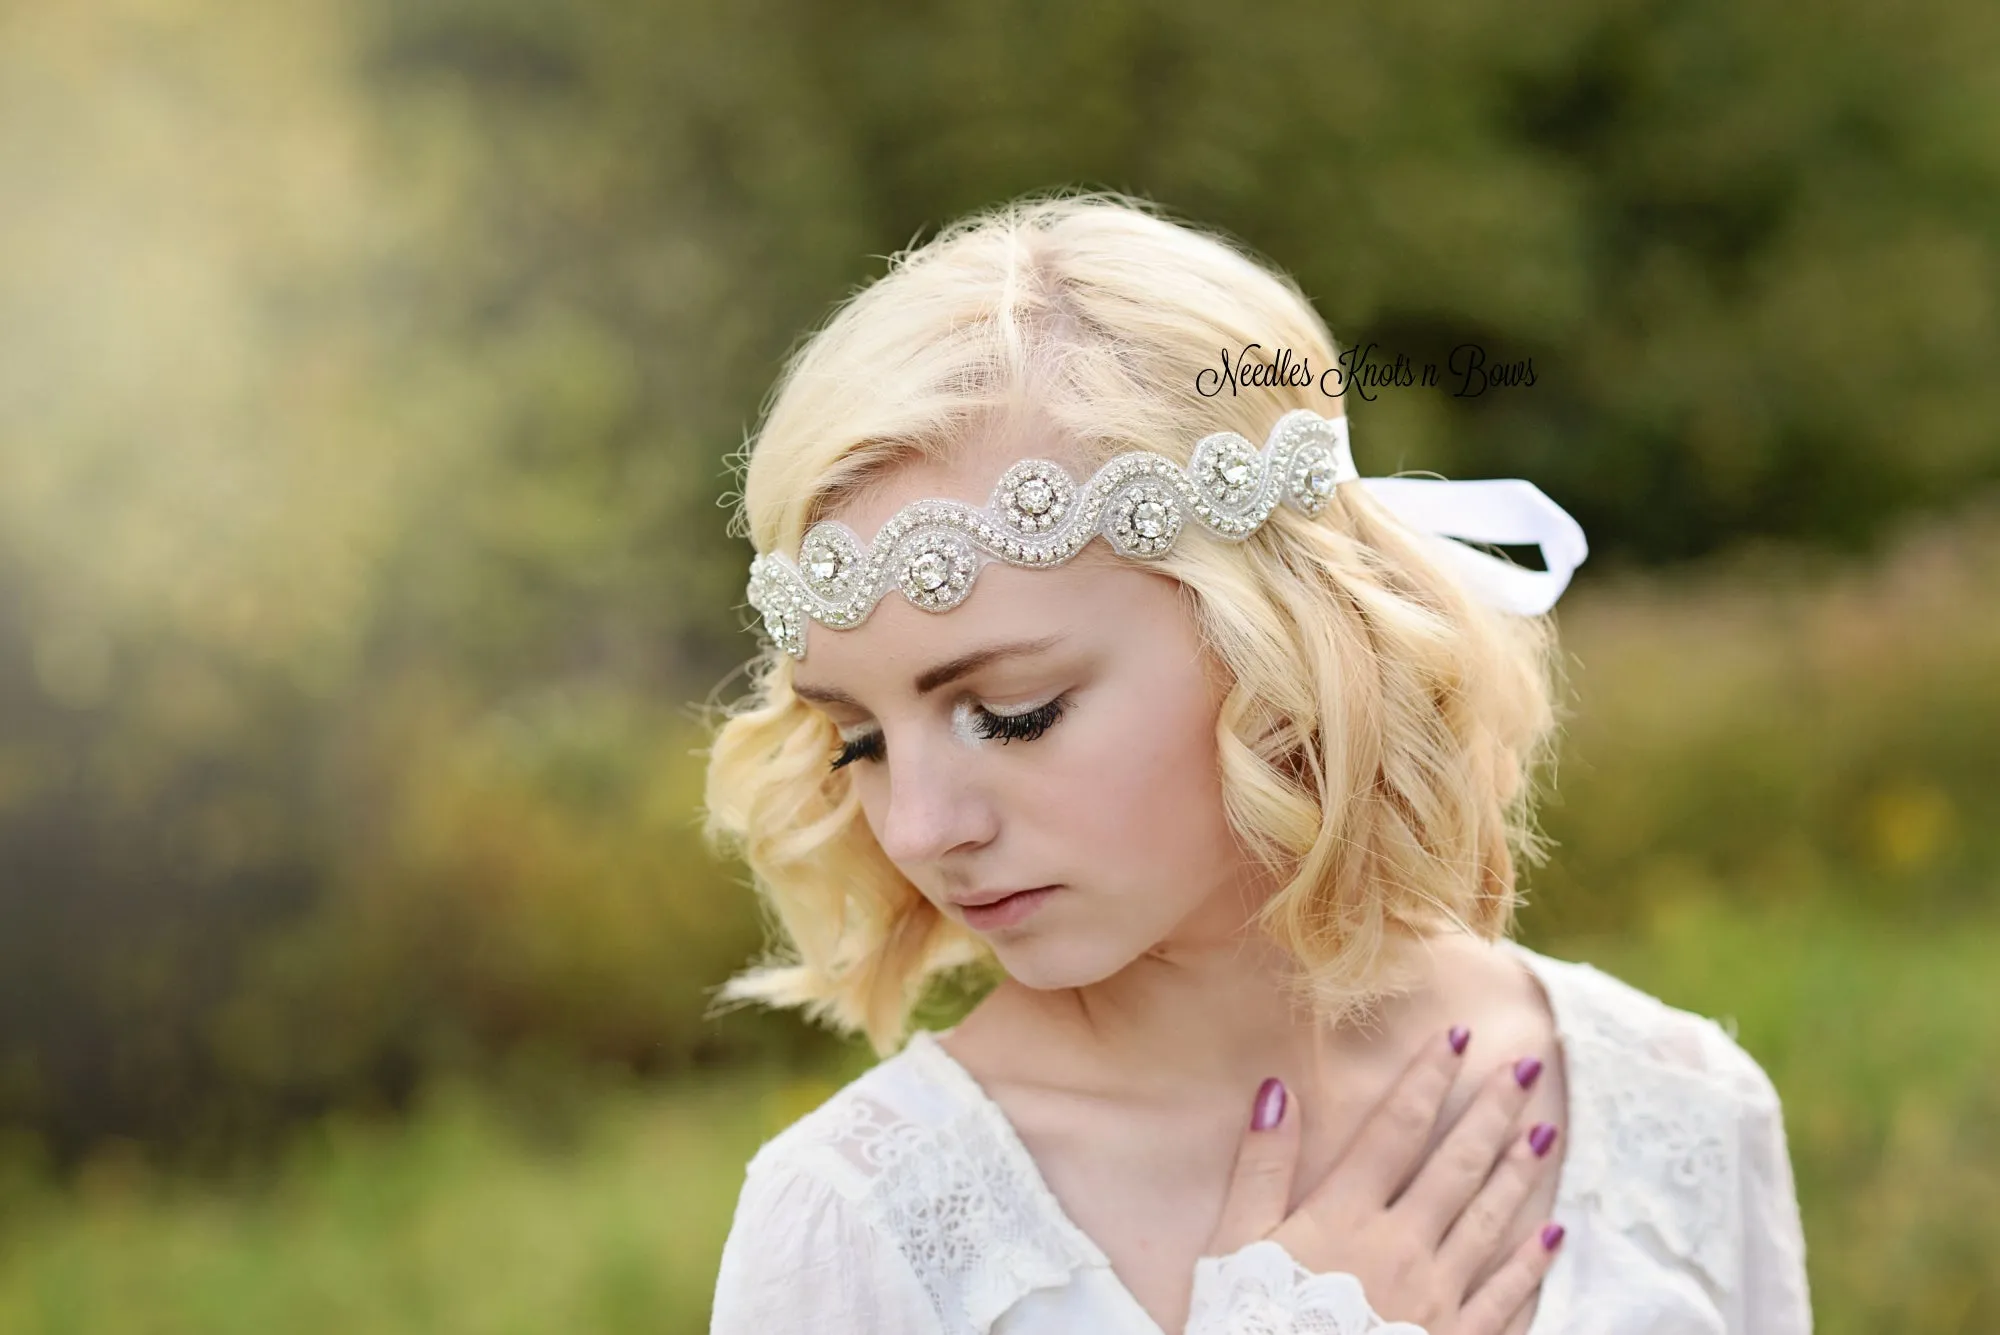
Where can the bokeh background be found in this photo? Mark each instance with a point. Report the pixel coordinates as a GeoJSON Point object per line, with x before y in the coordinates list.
{"type": "Point", "coordinates": [369, 380]}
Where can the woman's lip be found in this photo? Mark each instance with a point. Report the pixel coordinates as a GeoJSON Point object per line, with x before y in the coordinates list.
{"type": "Point", "coordinates": [1006, 912]}
{"type": "Point", "coordinates": [985, 904]}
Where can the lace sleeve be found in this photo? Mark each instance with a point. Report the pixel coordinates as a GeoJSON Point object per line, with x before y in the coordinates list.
{"type": "Point", "coordinates": [1261, 1290]}
{"type": "Point", "coordinates": [800, 1259]}
{"type": "Point", "coordinates": [1776, 1299]}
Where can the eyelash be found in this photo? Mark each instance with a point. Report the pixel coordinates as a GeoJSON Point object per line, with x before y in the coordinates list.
{"type": "Point", "coordinates": [1001, 727]}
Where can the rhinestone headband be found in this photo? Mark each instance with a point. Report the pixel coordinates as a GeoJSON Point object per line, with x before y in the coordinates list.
{"type": "Point", "coordinates": [1139, 502]}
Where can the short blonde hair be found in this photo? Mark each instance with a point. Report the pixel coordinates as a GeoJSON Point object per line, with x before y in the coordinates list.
{"type": "Point", "coordinates": [1380, 744]}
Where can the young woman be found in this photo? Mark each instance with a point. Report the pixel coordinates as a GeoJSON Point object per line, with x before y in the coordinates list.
{"type": "Point", "coordinates": [1094, 661]}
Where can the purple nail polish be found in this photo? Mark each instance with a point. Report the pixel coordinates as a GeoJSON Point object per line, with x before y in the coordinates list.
{"type": "Point", "coordinates": [1269, 1109]}
{"type": "Point", "coordinates": [1526, 1069]}
{"type": "Point", "coordinates": [1552, 1235]}
{"type": "Point", "coordinates": [1539, 1139]}
{"type": "Point", "coordinates": [1460, 1036]}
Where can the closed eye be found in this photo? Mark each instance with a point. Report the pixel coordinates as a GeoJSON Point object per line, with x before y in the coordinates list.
{"type": "Point", "coordinates": [1003, 727]}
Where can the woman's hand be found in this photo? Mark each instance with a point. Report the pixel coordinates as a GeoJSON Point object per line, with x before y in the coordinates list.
{"type": "Point", "coordinates": [1416, 1252]}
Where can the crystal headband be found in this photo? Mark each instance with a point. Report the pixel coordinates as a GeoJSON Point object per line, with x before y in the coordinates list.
{"type": "Point", "coordinates": [1139, 502]}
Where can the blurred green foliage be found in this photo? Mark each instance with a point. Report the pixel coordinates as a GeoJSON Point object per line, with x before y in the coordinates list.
{"type": "Point", "coordinates": [1778, 728]}
{"type": "Point", "coordinates": [465, 1217]}
{"type": "Point", "coordinates": [369, 377]}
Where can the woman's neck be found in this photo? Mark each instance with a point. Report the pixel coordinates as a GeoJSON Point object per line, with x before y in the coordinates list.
{"type": "Point", "coordinates": [1186, 1026]}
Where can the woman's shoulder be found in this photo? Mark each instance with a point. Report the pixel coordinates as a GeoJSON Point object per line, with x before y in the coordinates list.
{"type": "Point", "coordinates": [906, 1166]}
{"type": "Point", "coordinates": [1671, 1117]}
{"type": "Point", "coordinates": [868, 1125]}
{"type": "Point", "coordinates": [829, 1228]}
{"type": "Point", "coordinates": [1602, 1017]}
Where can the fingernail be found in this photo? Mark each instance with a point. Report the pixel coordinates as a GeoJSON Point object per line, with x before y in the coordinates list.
{"type": "Point", "coordinates": [1526, 1069]}
{"type": "Point", "coordinates": [1269, 1109]}
{"type": "Point", "coordinates": [1539, 1139]}
{"type": "Point", "coordinates": [1460, 1036]}
{"type": "Point", "coordinates": [1552, 1236]}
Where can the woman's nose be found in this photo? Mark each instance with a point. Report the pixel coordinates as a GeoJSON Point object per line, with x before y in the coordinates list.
{"type": "Point", "coordinates": [935, 804]}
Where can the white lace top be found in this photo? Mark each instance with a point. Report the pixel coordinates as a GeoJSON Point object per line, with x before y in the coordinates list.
{"type": "Point", "coordinates": [907, 1205]}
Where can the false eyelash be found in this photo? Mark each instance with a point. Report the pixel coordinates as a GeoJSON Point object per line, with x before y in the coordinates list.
{"type": "Point", "coordinates": [1003, 728]}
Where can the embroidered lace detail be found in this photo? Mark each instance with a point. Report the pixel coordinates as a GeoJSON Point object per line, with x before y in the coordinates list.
{"type": "Point", "coordinates": [950, 1196]}
{"type": "Point", "coordinates": [1262, 1290]}
{"type": "Point", "coordinates": [1655, 1094]}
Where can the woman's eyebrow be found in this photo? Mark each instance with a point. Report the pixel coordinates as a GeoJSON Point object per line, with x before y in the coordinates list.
{"type": "Point", "coordinates": [943, 674]}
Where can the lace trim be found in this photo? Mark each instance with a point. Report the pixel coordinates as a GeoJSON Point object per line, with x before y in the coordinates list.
{"type": "Point", "coordinates": [1655, 1143]}
{"type": "Point", "coordinates": [1262, 1290]}
{"type": "Point", "coordinates": [952, 1199]}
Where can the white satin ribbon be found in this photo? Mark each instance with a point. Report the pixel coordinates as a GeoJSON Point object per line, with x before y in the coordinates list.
{"type": "Point", "coordinates": [1505, 511]}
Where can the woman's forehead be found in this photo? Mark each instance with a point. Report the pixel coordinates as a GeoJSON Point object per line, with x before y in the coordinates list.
{"type": "Point", "coordinates": [942, 672]}
{"type": "Point", "coordinates": [1006, 602]}
{"type": "Point", "coordinates": [1093, 601]}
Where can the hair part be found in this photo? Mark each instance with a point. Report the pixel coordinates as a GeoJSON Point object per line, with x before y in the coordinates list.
{"type": "Point", "coordinates": [1384, 735]}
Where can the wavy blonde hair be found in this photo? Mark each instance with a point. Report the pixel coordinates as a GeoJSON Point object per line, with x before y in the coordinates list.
{"type": "Point", "coordinates": [1382, 737]}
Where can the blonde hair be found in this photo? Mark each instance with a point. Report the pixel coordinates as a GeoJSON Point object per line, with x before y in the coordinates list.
{"type": "Point", "coordinates": [1381, 739]}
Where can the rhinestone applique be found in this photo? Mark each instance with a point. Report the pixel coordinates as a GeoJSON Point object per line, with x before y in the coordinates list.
{"type": "Point", "coordinates": [1038, 517]}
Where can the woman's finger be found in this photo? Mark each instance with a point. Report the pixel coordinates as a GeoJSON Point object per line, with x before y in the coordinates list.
{"type": "Point", "coordinates": [1500, 1299]}
{"type": "Point", "coordinates": [1386, 1150]}
{"type": "Point", "coordinates": [1452, 1177]}
{"type": "Point", "coordinates": [1477, 1234]}
{"type": "Point", "coordinates": [1261, 1186]}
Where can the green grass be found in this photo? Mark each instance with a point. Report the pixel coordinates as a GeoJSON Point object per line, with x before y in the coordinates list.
{"type": "Point", "coordinates": [457, 1222]}
{"type": "Point", "coordinates": [1882, 1043]}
